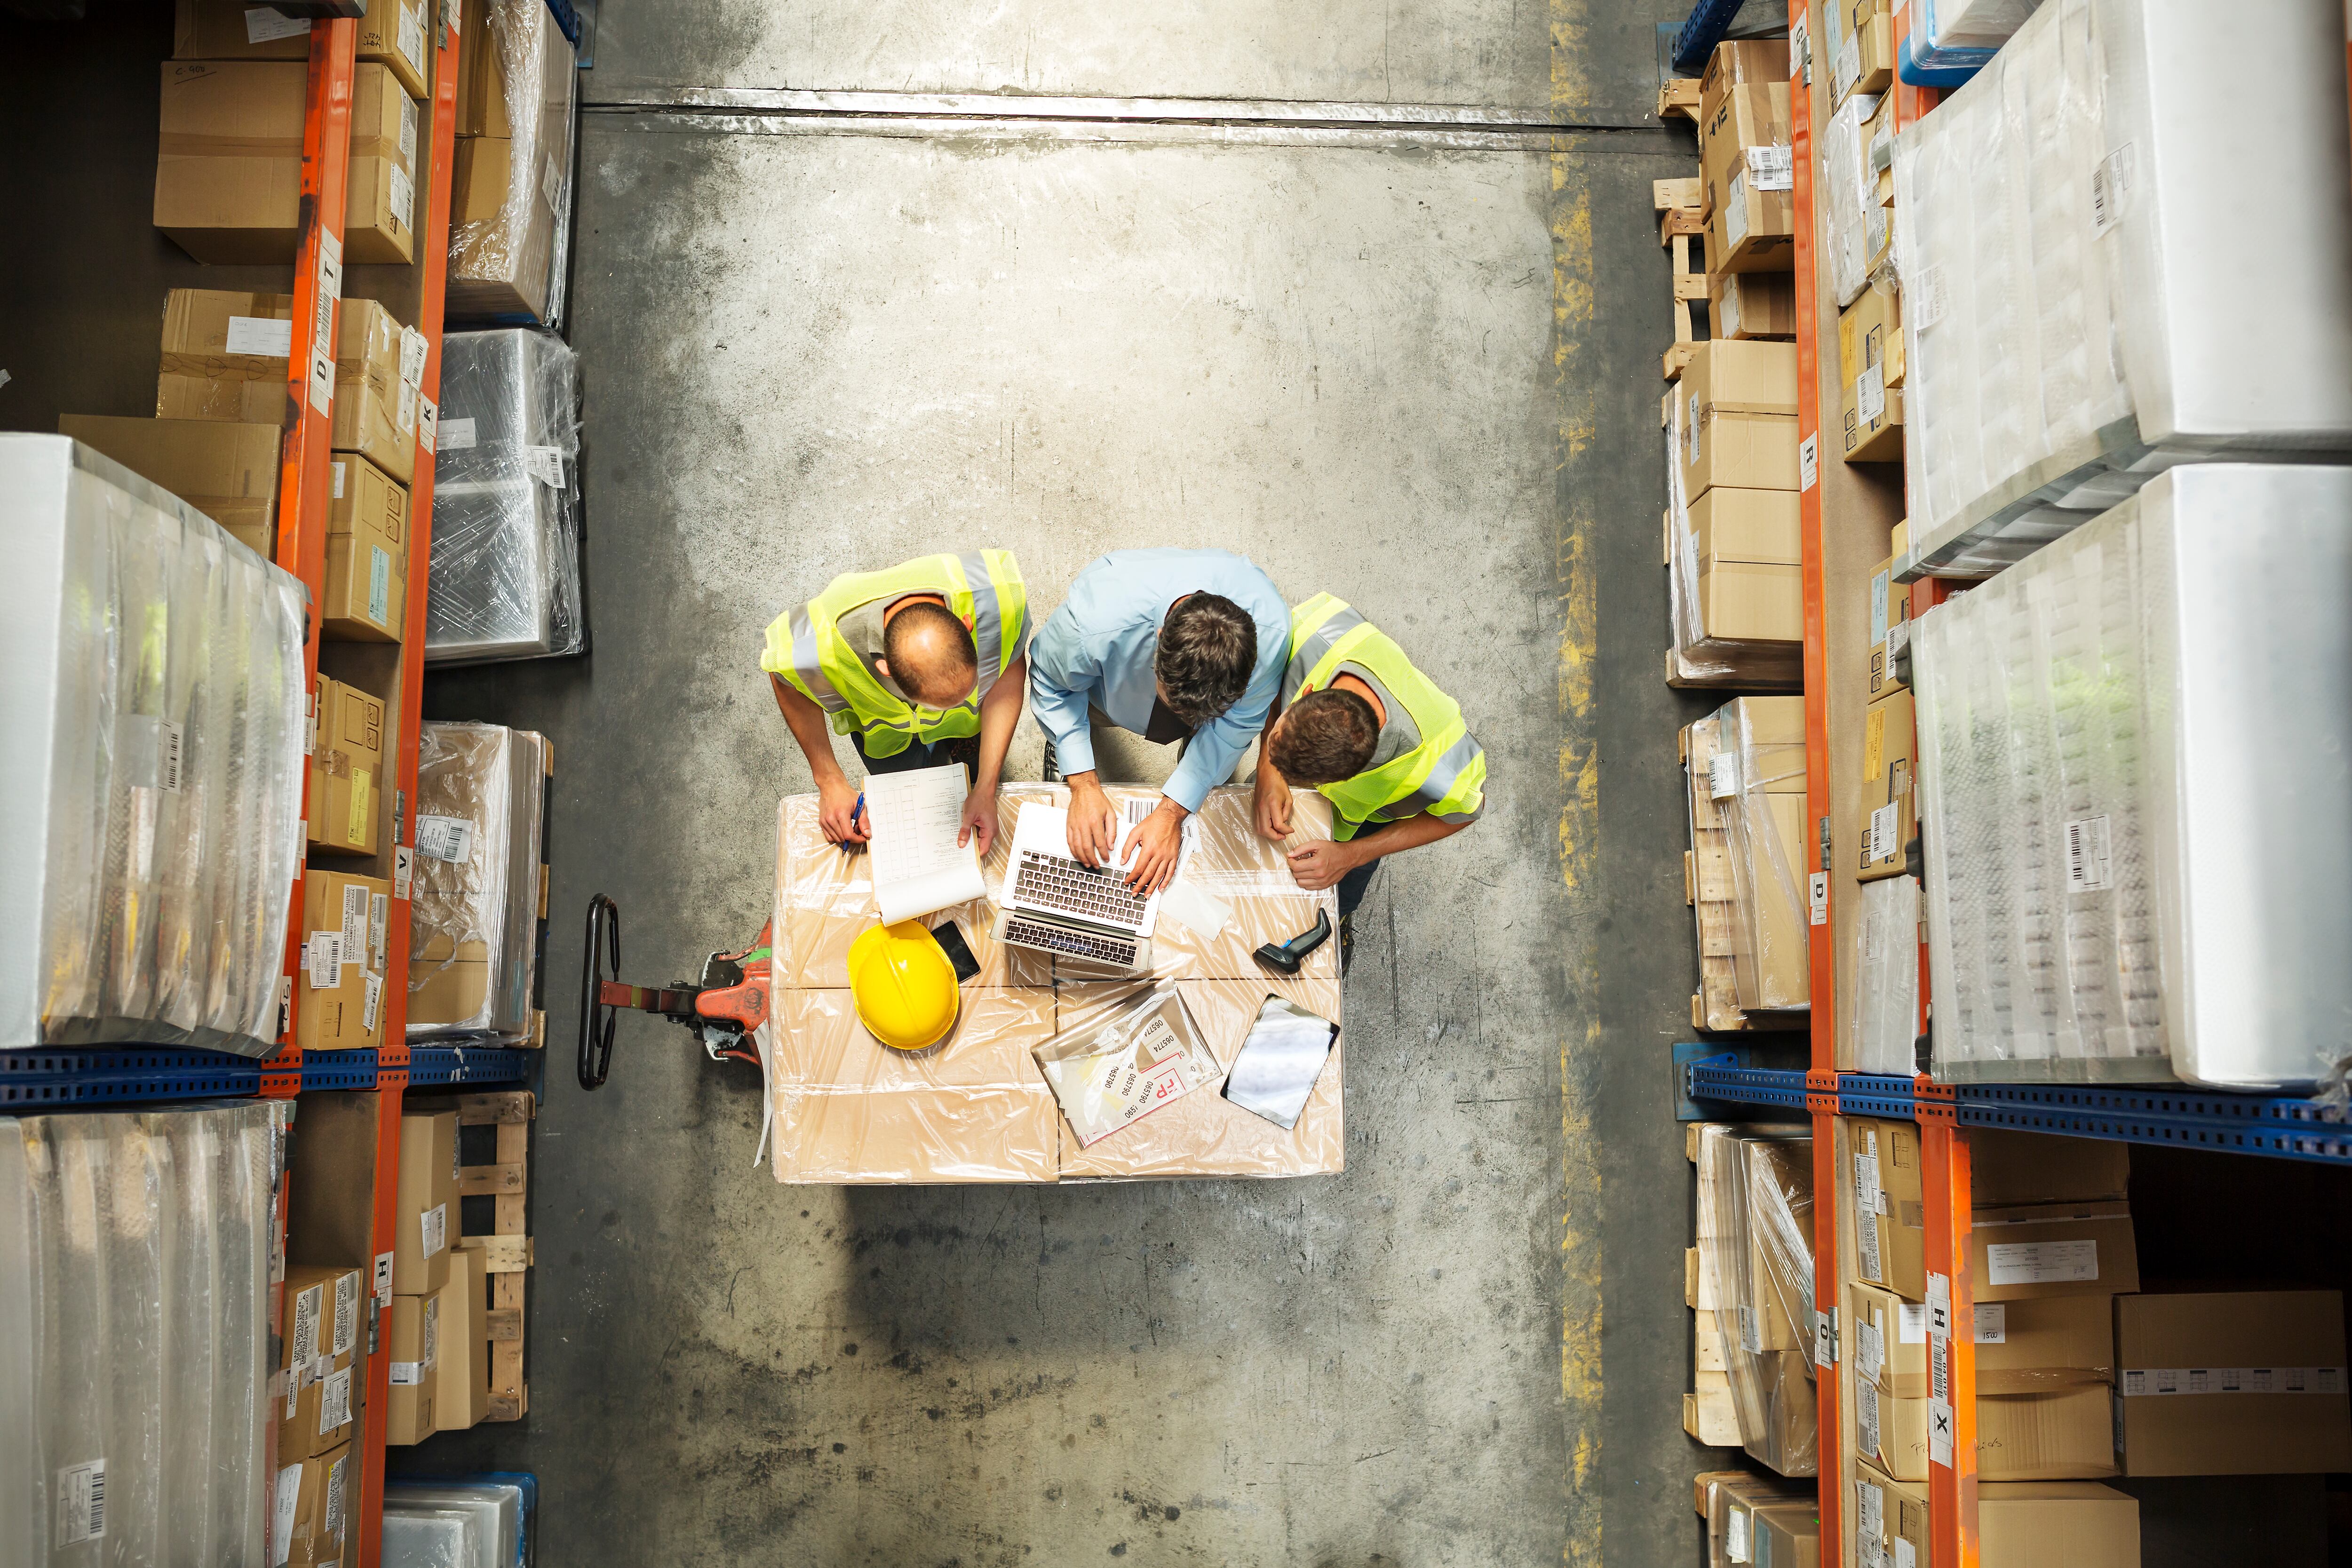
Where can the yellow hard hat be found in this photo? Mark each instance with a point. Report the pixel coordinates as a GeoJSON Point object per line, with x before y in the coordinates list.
{"type": "Point", "coordinates": [903, 985]}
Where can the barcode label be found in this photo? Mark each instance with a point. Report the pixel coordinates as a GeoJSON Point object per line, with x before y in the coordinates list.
{"type": "Point", "coordinates": [409, 38]}
{"type": "Point", "coordinates": [81, 1502]}
{"type": "Point", "coordinates": [347, 1313]}
{"type": "Point", "coordinates": [1911, 1323]}
{"type": "Point", "coordinates": [335, 1401]}
{"type": "Point", "coordinates": [1734, 215]}
{"type": "Point", "coordinates": [2144, 1383]}
{"type": "Point", "coordinates": [1928, 298]}
{"type": "Point", "coordinates": [267, 337]}
{"type": "Point", "coordinates": [334, 1516]}
{"type": "Point", "coordinates": [407, 156]}
{"type": "Point", "coordinates": [1723, 776]}
{"type": "Point", "coordinates": [281, 1530]}
{"type": "Point", "coordinates": [1870, 1351]}
{"type": "Point", "coordinates": [1872, 1507]}
{"type": "Point", "coordinates": [263, 24]}
{"type": "Point", "coordinates": [1751, 1332]}
{"type": "Point", "coordinates": [403, 198]}
{"type": "Point", "coordinates": [1847, 70]}
{"type": "Point", "coordinates": [324, 960]}
{"type": "Point", "coordinates": [412, 355]}
{"type": "Point", "coordinates": [407, 1373]}
{"type": "Point", "coordinates": [1865, 1417]}
{"type": "Point", "coordinates": [308, 1305]}
{"type": "Point", "coordinates": [1772, 168]}
{"type": "Point", "coordinates": [1870, 393]}
{"type": "Point", "coordinates": [379, 913]}
{"type": "Point", "coordinates": [545, 464]}
{"type": "Point", "coordinates": [355, 920]}
{"type": "Point", "coordinates": [2088, 869]}
{"type": "Point", "coordinates": [448, 839]}
{"type": "Point", "coordinates": [371, 997]}
{"type": "Point", "coordinates": [2111, 185]}
{"type": "Point", "coordinates": [434, 1228]}
{"type": "Point", "coordinates": [1883, 828]}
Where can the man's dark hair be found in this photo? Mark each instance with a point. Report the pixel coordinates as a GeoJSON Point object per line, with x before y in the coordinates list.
{"type": "Point", "coordinates": [1208, 650]}
{"type": "Point", "coordinates": [951, 657]}
{"type": "Point", "coordinates": [1325, 737]}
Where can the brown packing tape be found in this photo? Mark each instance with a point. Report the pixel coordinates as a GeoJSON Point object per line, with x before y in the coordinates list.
{"type": "Point", "coordinates": [385, 147]}
{"type": "Point", "coordinates": [224, 367]}
{"type": "Point", "coordinates": [182, 144]}
{"type": "Point", "coordinates": [335, 765]}
{"type": "Point", "coordinates": [1203, 1133]}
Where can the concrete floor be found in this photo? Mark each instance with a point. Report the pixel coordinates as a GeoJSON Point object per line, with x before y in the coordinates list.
{"type": "Point", "coordinates": [1416, 369]}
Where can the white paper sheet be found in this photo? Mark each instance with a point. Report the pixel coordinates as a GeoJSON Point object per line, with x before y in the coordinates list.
{"type": "Point", "coordinates": [918, 869]}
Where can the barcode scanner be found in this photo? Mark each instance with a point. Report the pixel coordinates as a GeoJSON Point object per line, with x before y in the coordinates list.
{"type": "Point", "coordinates": [1289, 955]}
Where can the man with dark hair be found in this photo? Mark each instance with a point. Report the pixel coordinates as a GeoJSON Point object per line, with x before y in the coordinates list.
{"type": "Point", "coordinates": [1360, 723]}
{"type": "Point", "coordinates": [920, 665]}
{"type": "Point", "coordinates": [1173, 645]}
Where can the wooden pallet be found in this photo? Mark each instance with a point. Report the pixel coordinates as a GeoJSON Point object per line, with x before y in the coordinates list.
{"type": "Point", "coordinates": [1681, 220]}
{"type": "Point", "coordinates": [1678, 99]}
{"type": "Point", "coordinates": [1709, 1414]}
{"type": "Point", "coordinates": [506, 1253]}
{"type": "Point", "coordinates": [1710, 890]}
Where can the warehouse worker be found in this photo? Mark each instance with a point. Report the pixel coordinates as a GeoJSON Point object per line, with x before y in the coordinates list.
{"type": "Point", "coordinates": [1360, 723]}
{"type": "Point", "coordinates": [920, 665]}
{"type": "Point", "coordinates": [1174, 645]}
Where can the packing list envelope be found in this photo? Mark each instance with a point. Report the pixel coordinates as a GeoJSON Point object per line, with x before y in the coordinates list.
{"type": "Point", "coordinates": [1127, 1063]}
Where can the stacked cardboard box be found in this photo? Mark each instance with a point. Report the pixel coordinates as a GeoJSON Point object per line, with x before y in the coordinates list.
{"type": "Point", "coordinates": [1859, 39]}
{"type": "Point", "coordinates": [367, 554]}
{"type": "Point", "coordinates": [1754, 795]}
{"type": "Point", "coordinates": [479, 888]}
{"type": "Point", "coordinates": [1734, 1502]}
{"type": "Point", "coordinates": [1761, 1261]}
{"type": "Point", "coordinates": [1870, 368]}
{"type": "Point", "coordinates": [1735, 561]}
{"type": "Point", "coordinates": [309, 1509]}
{"type": "Point", "coordinates": [1710, 1415]}
{"type": "Point", "coordinates": [2051, 1246]}
{"type": "Point", "coordinates": [461, 1363]}
{"type": "Point", "coordinates": [319, 1360]}
{"type": "Point", "coordinates": [1745, 166]}
{"type": "Point", "coordinates": [511, 203]}
{"type": "Point", "coordinates": [1713, 892]}
{"type": "Point", "coordinates": [426, 1217]}
{"type": "Point", "coordinates": [226, 472]}
{"type": "Point", "coordinates": [393, 34]}
{"type": "Point", "coordinates": [2231, 1382]}
{"type": "Point", "coordinates": [346, 768]}
{"type": "Point", "coordinates": [2031, 1524]}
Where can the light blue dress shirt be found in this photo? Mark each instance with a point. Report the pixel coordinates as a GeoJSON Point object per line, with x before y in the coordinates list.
{"type": "Point", "coordinates": [1098, 649]}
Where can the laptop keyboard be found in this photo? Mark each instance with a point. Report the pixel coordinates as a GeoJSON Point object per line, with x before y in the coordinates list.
{"type": "Point", "coordinates": [1054, 882]}
{"type": "Point", "coordinates": [1072, 943]}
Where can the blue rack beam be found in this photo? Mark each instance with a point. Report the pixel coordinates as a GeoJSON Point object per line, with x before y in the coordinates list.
{"type": "Point", "coordinates": [1702, 30]}
{"type": "Point", "coordinates": [2269, 1126]}
{"type": "Point", "coordinates": [38, 1080]}
{"type": "Point", "coordinates": [338, 1069]}
{"type": "Point", "coordinates": [436, 1066]}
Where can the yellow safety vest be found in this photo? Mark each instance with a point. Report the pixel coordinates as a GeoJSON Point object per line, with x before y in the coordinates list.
{"type": "Point", "coordinates": [1445, 776]}
{"type": "Point", "coordinates": [806, 648]}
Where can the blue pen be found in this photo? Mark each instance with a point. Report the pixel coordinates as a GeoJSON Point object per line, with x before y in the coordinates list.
{"type": "Point", "coordinates": [856, 846]}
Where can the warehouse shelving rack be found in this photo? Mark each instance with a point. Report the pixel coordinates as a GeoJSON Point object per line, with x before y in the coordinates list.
{"type": "Point", "coordinates": [34, 1080]}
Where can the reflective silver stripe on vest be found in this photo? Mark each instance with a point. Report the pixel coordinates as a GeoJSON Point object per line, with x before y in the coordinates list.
{"type": "Point", "coordinates": [1320, 642]}
{"type": "Point", "coordinates": [1440, 781]}
{"type": "Point", "coordinates": [987, 618]}
{"type": "Point", "coordinates": [806, 666]}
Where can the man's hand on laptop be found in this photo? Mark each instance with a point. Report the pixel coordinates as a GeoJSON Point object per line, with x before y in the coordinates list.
{"type": "Point", "coordinates": [1093, 823]}
{"type": "Point", "coordinates": [1155, 845]}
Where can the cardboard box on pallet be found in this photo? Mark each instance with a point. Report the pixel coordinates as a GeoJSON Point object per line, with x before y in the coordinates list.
{"type": "Point", "coordinates": [1871, 369]}
{"type": "Point", "coordinates": [511, 193]}
{"type": "Point", "coordinates": [2233, 1383]}
{"type": "Point", "coordinates": [1750, 562]}
{"type": "Point", "coordinates": [341, 1002]}
{"type": "Point", "coordinates": [366, 596]}
{"type": "Point", "coordinates": [346, 768]}
{"type": "Point", "coordinates": [414, 1348]}
{"type": "Point", "coordinates": [391, 34]}
{"type": "Point", "coordinates": [1890, 1519]}
{"type": "Point", "coordinates": [461, 1373]}
{"type": "Point", "coordinates": [229, 167]}
{"type": "Point", "coordinates": [1729, 1499]}
{"type": "Point", "coordinates": [476, 902]}
{"type": "Point", "coordinates": [1757, 785]}
{"type": "Point", "coordinates": [1890, 615]}
{"type": "Point", "coordinates": [1887, 814]}
{"type": "Point", "coordinates": [425, 1203]}
{"type": "Point", "coordinates": [225, 356]}
{"type": "Point", "coordinates": [1788, 1535]}
{"type": "Point", "coordinates": [1747, 306]}
{"type": "Point", "coordinates": [318, 1352]}
{"type": "Point", "coordinates": [2019, 1524]}
{"type": "Point", "coordinates": [1747, 173]}
{"type": "Point", "coordinates": [227, 471]}
{"type": "Point", "coordinates": [1861, 47]}
{"type": "Point", "coordinates": [312, 1503]}
{"type": "Point", "coordinates": [1735, 417]}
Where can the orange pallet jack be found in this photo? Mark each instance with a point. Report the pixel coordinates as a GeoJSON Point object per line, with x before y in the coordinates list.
{"type": "Point", "coordinates": [721, 1011]}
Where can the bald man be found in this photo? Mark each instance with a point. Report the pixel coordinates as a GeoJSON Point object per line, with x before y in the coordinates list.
{"type": "Point", "coordinates": [920, 665]}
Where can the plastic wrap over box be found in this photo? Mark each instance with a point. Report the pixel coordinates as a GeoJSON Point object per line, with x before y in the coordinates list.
{"type": "Point", "coordinates": [504, 574]}
{"type": "Point", "coordinates": [495, 1508]}
{"type": "Point", "coordinates": [1756, 1247]}
{"type": "Point", "coordinates": [511, 229]}
{"type": "Point", "coordinates": [1756, 786]}
{"type": "Point", "coordinates": [2097, 291]}
{"type": "Point", "coordinates": [973, 1108]}
{"type": "Point", "coordinates": [1886, 980]}
{"type": "Point", "coordinates": [134, 1333]}
{"type": "Point", "coordinates": [1850, 185]}
{"type": "Point", "coordinates": [2135, 750]}
{"type": "Point", "coordinates": [1948, 35]}
{"type": "Point", "coordinates": [1203, 1133]}
{"type": "Point", "coordinates": [152, 785]}
{"type": "Point", "coordinates": [474, 909]}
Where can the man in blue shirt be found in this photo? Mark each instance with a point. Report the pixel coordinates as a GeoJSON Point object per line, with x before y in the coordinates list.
{"type": "Point", "coordinates": [1173, 645]}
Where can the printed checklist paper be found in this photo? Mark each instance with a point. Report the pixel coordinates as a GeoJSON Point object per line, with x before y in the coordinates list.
{"type": "Point", "coordinates": [918, 867]}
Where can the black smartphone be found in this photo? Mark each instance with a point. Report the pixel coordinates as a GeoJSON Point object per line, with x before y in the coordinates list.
{"type": "Point", "coordinates": [959, 951]}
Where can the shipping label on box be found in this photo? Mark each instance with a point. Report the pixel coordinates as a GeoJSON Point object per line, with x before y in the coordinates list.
{"type": "Point", "coordinates": [2054, 1249]}
{"type": "Point", "coordinates": [1890, 614]}
{"type": "Point", "coordinates": [2233, 1383]}
{"type": "Point", "coordinates": [1887, 816]}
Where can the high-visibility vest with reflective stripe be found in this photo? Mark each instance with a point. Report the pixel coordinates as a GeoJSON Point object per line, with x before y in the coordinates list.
{"type": "Point", "coordinates": [1445, 776]}
{"type": "Point", "coordinates": [805, 646]}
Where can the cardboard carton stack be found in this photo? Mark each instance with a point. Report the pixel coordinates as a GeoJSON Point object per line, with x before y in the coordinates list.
{"type": "Point", "coordinates": [2231, 1382]}
{"type": "Point", "coordinates": [479, 893]}
{"type": "Point", "coordinates": [1744, 159]}
{"type": "Point", "coordinates": [426, 1218]}
{"type": "Point", "coordinates": [1753, 796]}
{"type": "Point", "coordinates": [1762, 1264]}
{"type": "Point", "coordinates": [1735, 558]}
{"type": "Point", "coordinates": [1740, 1506]}
{"type": "Point", "coordinates": [310, 1508]}
{"type": "Point", "coordinates": [2051, 1247]}
{"type": "Point", "coordinates": [510, 201]}
{"type": "Point", "coordinates": [1709, 1414]}
{"type": "Point", "coordinates": [319, 1364]}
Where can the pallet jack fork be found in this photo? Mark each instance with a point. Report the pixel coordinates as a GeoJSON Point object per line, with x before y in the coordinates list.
{"type": "Point", "coordinates": [722, 1011]}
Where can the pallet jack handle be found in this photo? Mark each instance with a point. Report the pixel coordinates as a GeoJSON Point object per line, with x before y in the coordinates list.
{"type": "Point", "coordinates": [729, 1004]}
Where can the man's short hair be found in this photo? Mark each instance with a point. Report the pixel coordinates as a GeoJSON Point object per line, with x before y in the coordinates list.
{"type": "Point", "coordinates": [1208, 650]}
{"type": "Point", "coordinates": [1326, 736]}
{"type": "Point", "coordinates": [948, 660]}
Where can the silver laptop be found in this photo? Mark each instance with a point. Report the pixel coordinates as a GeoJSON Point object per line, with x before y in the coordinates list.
{"type": "Point", "coordinates": [1053, 903]}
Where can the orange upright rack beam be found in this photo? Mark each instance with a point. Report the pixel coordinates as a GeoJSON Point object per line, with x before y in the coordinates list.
{"type": "Point", "coordinates": [304, 485]}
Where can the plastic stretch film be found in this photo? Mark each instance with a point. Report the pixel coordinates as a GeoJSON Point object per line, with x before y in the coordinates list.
{"type": "Point", "coordinates": [1757, 784]}
{"type": "Point", "coordinates": [1755, 1240]}
{"type": "Point", "coordinates": [2094, 292]}
{"type": "Point", "coordinates": [1949, 34]}
{"type": "Point", "coordinates": [156, 709]}
{"type": "Point", "coordinates": [1849, 185]}
{"type": "Point", "coordinates": [511, 229]}
{"type": "Point", "coordinates": [474, 907]}
{"type": "Point", "coordinates": [2134, 750]}
{"type": "Point", "coordinates": [460, 1524]}
{"type": "Point", "coordinates": [1202, 1133]}
{"type": "Point", "coordinates": [135, 1260]}
{"type": "Point", "coordinates": [504, 574]}
{"type": "Point", "coordinates": [1695, 658]}
{"type": "Point", "coordinates": [1714, 894]}
{"type": "Point", "coordinates": [1886, 980]}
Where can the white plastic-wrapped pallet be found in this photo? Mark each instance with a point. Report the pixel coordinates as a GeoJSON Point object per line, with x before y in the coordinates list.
{"type": "Point", "coordinates": [495, 1508]}
{"type": "Point", "coordinates": [155, 707]}
{"type": "Point", "coordinates": [135, 1256]}
{"type": "Point", "coordinates": [473, 917]}
{"type": "Point", "coordinates": [2096, 289]}
{"type": "Point", "coordinates": [1947, 34]}
{"type": "Point", "coordinates": [1886, 980]}
{"type": "Point", "coordinates": [2134, 749]}
{"type": "Point", "coordinates": [505, 575]}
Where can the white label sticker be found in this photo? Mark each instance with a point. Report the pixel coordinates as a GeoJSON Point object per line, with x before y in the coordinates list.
{"type": "Point", "coordinates": [1723, 776]}
{"type": "Point", "coordinates": [1911, 1323]}
{"type": "Point", "coordinates": [407, 140]}
{"type": "Point", "coordinates": [1940, 1433]}
{"type": "Point", "coordinates": [1865, 1181]}
{"type": "Point", "coordinates": [355, 920]}
{"type": "Point", "coordinates": [170, 747]}
{"type": "Point", "coordinates": [379, 588]}
{"type": "Point", "coordinates": [281, 1530]}
{"type": "Point", "coordinates": [1865, 1416]}
{"type": "Point", "coordinates": [384, 1281]}
{"type": "Point", "coordinates": [1800, 59]}
{"type": "Point", "coordinates": [310, 1306]}
{"type": "Point", "coordinates": [266, 337]}
{"type": "Point", "coordinates": [1883, 827]}
{"type": "Point", "coordinates": [1807, 462]}
{"type": "Point", "coordinates": [337, 468]}
{"type": "Point", "coordinates": [1906, 1555]}
{"type": "Point", "coordinates": [1751, 1333]}
{"type": "Point", "coordinates": [445, 838]}
{"type": "Point", "coordinates": [1735, 1546]}
{"type": "Point", "coordinates": [408, 38]}
{"type": "Point", "coordinates": [413, 349]}
{"type": "Point", "coordinates": [1690, 431]}
{"type": "Point", "coordinates": [1869, 1351]}
{"type": "Point", "coordinates": [1729, 326]}
{"type": "Point", "coordinates": [551, 185]}
{"type": "Point", "coordinates": [2111, 186]}
{"type": "Point", "coordinates": [2041, 1262]}
{"type": "Point", "coordinates": [433, 1227]}
{"type": "Point", "coordinates": [379, 924]}
{"type": "Point", "coordinates": [323, 959]}
{"type": "Point", "coordinates": [2088, 867]}
{"type": "Point", "coordinates": [407, 1373]}
{"type": "Point", "coordinates": [1874, 224]}
{"type": "Point", "coordinates": [403, 865]}
{"type": "Point", "coordinates": [1820, 896]}
{"type": "Point", "coordinates": [1848, 68]}
{"type": "Point", "coordinates": [334, 1515]}
{"type": "Point", "coordinates": [403, 198]}
{"type": "Point", "coordinates": [372, 991]}
{"type": "Point", "coordinates": [1772, 168]}
{"type": "Point", "coordinates": [81, 1502]}
{"type": "Point", "coordinates": [546, 465]}
{"type": "Point", "coordinates": [1880, 588]}
{"type": "Point", "coordinates": [431, 1331]}
{"type": "Point", "coordinates": [1866, 1235]}
{"type": "Point", "coordinates": [1928, 298]}
{"type": "Point", "coordinates": [264, 24]}
{"type": "Point", "coordinates": [1992, 1322]}
{"type": "Point", "coordinates": [1870, 393]}
{"type": "Point", "coordinates": [328, 288]}
{"type": "Point", "coordinates": [428, 424]}
{"type": "Point", "coordinates": [1872, 1507]}
{"type": "Point", "coordinates": [2146, 1382]}
{"type": "Point", "coordinates": [457, 434]}
{"type": "Point", "coordinates": [1735, 210]}
{"type": "Point", "coordinates": [347, 1314]}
